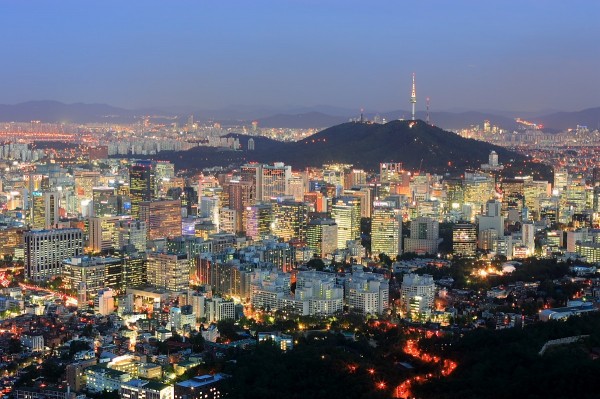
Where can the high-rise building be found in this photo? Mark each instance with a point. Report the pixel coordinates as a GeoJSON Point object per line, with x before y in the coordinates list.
{"type": "Point", "coordinates": [104, 233]}
{"type": "Point", "coordinates": [321, 236]}
{"type": "Point", "coordinates": [44, 210]}
{"type": "Point", "coordinates": [424, 236]}
{"type": "Point", "coordinates": [346, 213]}
{"type": "Point", "coordinates": [162, 218]}
{"type": "Point", "coordinates": [417, 296]}
{"type": "Point", "coordinates": [142, 185]}
{"type": "Point", "coordinates": [275, 179]}
{"type": "Point", "coordinates": [46, 249]}
{"type": "Point", "coordinates": [289, 220]}
{"type": "Point", "coordinates": [258, 221]}
{"type": "Point", "coordinates": [386, 230]}
{"type": "Point", "coordinates": [105, 202]}
{"type": "Point", "coordinates": [169, 271]}
{"type": "Point", "coordinates": [132, 232]}
{"type": "Point", "coordinates": [464, 239]}
{"type": "Point", "coordinates": [491, 220]}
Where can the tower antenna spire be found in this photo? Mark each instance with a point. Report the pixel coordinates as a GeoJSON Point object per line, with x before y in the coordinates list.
{"type": "Point", "coordinates": [413, 96]}
{"type": "Point", "coordinates": [427, 110]}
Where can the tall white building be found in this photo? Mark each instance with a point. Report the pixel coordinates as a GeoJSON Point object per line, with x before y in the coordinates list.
{"type": "Point", "coordinates": [367, 293]}
{"type": "Point", "coordinates": [346, 213]}
{"type": "Point", "coordinates": [491, 220]}
{"type": "Point", "coordinates": [417, 296]}
{"type": "Point", "coordinates": [325, 296]}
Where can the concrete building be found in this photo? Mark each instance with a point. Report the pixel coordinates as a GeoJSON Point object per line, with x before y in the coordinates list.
{"type": "Point", "coordinates": [424, 236]}
{"type": "Point", "coordinates": [367, 293]}
{"type": "Point", "coordinates": [46, 249]}
{"type": "Point", "coordinates": [417, 296]}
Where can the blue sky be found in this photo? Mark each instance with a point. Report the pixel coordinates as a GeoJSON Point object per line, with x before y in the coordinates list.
{"type": "Point", "coordinates": [507, 55]}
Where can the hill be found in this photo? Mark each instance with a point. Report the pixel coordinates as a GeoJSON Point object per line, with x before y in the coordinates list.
{"type": "Point", "coordinates": [57, 112]}
{"type": "Point", "coordinates": [415, 144]}
{"type": "Point", "coordinates": [564, 120]}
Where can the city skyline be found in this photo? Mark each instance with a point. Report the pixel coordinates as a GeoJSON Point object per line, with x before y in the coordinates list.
{"type": "Point", "coordinates": [303, 54]}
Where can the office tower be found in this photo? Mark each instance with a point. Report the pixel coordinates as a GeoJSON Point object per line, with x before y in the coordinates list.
{"type": "Point", "coordinates": [464, 239]}
{"type": "Point", "coordinates": [252, 173]}
{"type": "Point", "coordinates": [390, 172]}
{"type": "Point", "coordinates": [88, 275]}
{"type": "Point", "coordinates": [134, 269]}
{"type": "Point", "coordinates": [424, 236]}
{"type": "Point", "coordinates": [242, 194]}
{"type": "Point", "coordinates": [367, 293]}
{"type": "Point", "coordinates": [85, 181]}
{"type": "Point", "coordinates": [289, 220]}
{"type": "Point", "coordinates": [162, 218]}
{"type": "Point", "coordinates": [561, 179]}
{"type": "Point", "coordinates": [44, 209]}
{"type": "Point", "coordinates": [528, 233]}
{"type": "Point", "coordinates": [417, 296]}
{"type": "Point", "coordinates": [386, 230]}
{"type": "Point", "coordinates": [491, 220]}
{"type": "Point", "coordinates": [454, 194]}
{"type": "Point", "coordinates": [321, 236]}
{"type": "Point", "coordinates": [228, 221]}
{"type": "Point", "coordinates": [296, 186]}
{"type": "Point", "coordinates": [366, 204]}
{"type": "Point", "coordinates": [258, 221]}
{"type": "Point", "coordinates": [46, 249]}
{"type": "Point", "coordinates": [142, 185]}
{"type": "Point", "coordinates": [477, 189]}
{"type": "Point", "coordinates": [316, 201]}
{"type": "Point", "coordinates": [105, 202]}
{"type": "Point", "coordinates": [355, 178]}
{"type": "Point", "coordinates": [209, 209]}
{"type": "Point", "coordinates": [104, 233]}
{"type": "Point", "coordinates": [346, 213]}
{"type": "Point", "coordinates": [169, 271]}
{"type": "Point", "coordinates": [274, 180]}
{"type": "Point", "coordinates": [132, 233]}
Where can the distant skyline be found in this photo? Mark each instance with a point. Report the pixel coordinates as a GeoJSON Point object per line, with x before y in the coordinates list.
{"type": "Point", "coordinates": [503, 55]}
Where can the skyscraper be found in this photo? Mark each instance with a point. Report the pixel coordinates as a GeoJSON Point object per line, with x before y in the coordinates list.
{"type": "Point", "coordinates": [346, 212]}
{"type": "Point", "coordinates": [142, 184]}
{"type": "Point", "coordinates": [44, 209]}
{"type": "Point", "coordinates": [386, 230]}
{"type": "Point", "coordinates": [162, 217]}
{"type": "Point", "coordinates": [321, 236]}
{"type": "Point", "coordinates": [289, 220]}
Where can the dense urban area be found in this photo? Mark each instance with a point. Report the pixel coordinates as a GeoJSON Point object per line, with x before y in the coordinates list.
{"type": "Point", "coordinates": [125, 276]}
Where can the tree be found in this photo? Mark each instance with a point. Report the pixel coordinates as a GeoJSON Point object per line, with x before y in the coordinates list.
{"type": "Point", "coordinates": [316, 263]}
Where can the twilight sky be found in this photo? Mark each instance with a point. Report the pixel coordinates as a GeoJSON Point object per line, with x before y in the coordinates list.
{"type": "Point", "coordinates": [509, 55]}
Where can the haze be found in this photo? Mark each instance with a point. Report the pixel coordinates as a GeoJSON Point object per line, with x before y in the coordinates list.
{"type": "Point", "coordinates": [505, 55]}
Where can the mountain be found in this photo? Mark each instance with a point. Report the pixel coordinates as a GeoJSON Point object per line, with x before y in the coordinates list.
{"type": "Point", "coordinates": [57, 112]}
{"type": "Point", "coordinates": [564, 120]}
{"type": "Point", "coordinates": [414, 143]}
